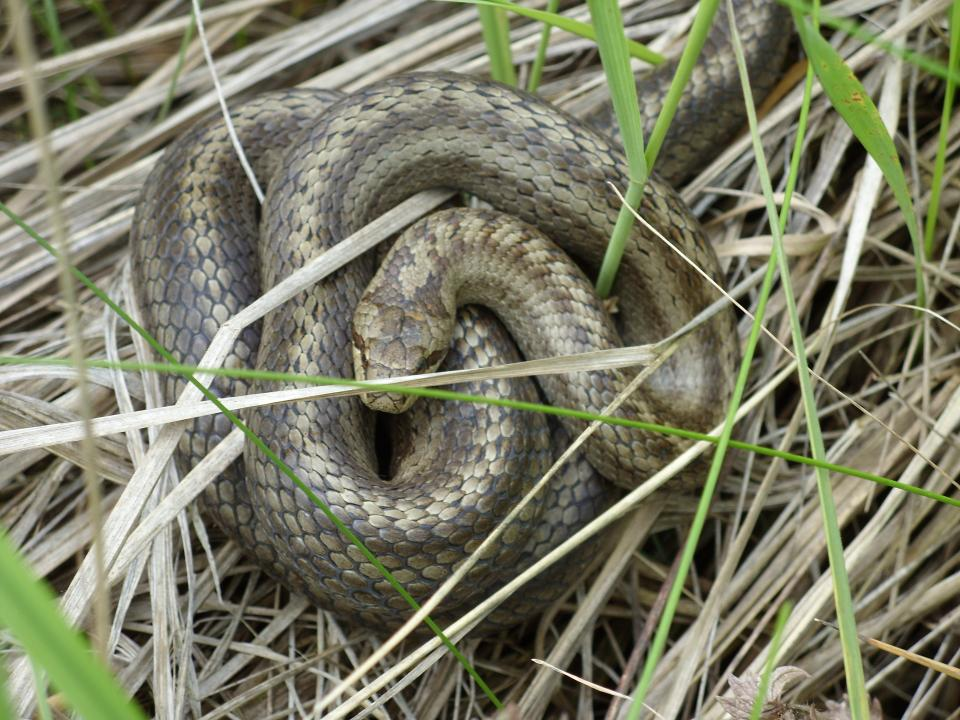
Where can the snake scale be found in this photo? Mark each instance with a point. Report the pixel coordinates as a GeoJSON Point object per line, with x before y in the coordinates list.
{"type": "Point", "coordinates": [203, 249]}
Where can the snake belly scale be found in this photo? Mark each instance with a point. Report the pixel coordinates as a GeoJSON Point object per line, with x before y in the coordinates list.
{"type": "Point", "coordinates": [202, 250]}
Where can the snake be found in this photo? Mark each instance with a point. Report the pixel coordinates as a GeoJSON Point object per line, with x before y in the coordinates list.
{"type": "Point", "coordinates": [423, 487]}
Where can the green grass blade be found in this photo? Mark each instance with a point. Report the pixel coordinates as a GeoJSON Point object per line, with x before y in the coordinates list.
{"type": "Point", "coordinates": [178, 70]}
{"type": "Point", "coordinates": [49, 21]}
{"type": "Point", "coordinates": [6, 707]}
{"type": "Point", "coordinates": [536, 69]}
{"type": "Point", "coordinates": [51, 26]}
{"type": "Point", "coordinates": [843, 600]}
{"type": "Point", "coordinates": [659, 644]}
{"type": "Point", "coordinates": [725, 441]}
{"type": "Point", "coordinates": [939, 162]}
{"type": "Point", "coordinates": [575, 27]}
{"type": "Point", "coordinates": [623, 92]}
{"type": "Point", "coordinates": [849, 98]}
{"type": "Point", "coordinates": [42, 689]}
{"type": "Point", "coordinates": [187, 372]}
{"type": "Point", "coordinates": [29, 610]}
{"type": "Point", "coordinates": [628, 114]}
{"type": "Point", "coordinates": [453, 396]}
{"type": "Point", "coordinates": [782, 616]}
{"type": "Point", "coordinates": [688, 61]}
{"type": "Point", "coordinates": [100, 11]}
{"type": "Point", "coordinates": [496, 36]}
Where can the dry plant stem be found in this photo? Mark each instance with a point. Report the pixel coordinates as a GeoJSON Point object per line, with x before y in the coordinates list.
{"type": "Point", "coordinates": [910, 654]}
{"type": "Point", "coordinates": [114, 121]}
{"type": "Point", "coordinates": [19, 440]}
{"type": "Point", "coordinates": [717, 600]}
{"type": "Point", "coordinates": [121, 44]}
{"type": "Point", "coordinates": [220, 34]}
{"type": "Point", "coordinates": [231, 130]}
{"type": "Point", "coordinates": [344, 22]}
{"type": "Point", "coordinates": [336, 26]}
{"type": "Point", "coordinates": [642, 641]}
{"type": "Point", "coordinates": [241, 700]}
{"type": "Point", "coordinates": [819, 598]}
{"type": "Point", "coordinates": [52, 434]}
{"type": "Point", "coordinates": [940, 667]}
{"type": "Point", "coordinates": [274, 628]}
{"type": "Point", "coordinates": [405, 52]}
{"type": "Point", "coordinates": [434, 696]}
{"type": "Point", "coordinates": [928, 267]}
{"type": "Point", "coordinates": [50, 176]}
{"type": "Point", "coordinates": [185, 492]}
{"type": "Point", "coordinates": [582, 681]}
{"type": "Point", "coordinates": [75, 600]}
{"type": "Point", "coordinates": [634, 531]}
{"type": "Point", "coordinates": [162, 547]}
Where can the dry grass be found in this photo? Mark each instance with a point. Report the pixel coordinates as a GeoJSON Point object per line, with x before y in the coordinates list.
{"type": "Point", "coordinates": [194, 630]}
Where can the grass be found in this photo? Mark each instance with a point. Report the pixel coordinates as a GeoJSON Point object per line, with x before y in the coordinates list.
{"type": "Point", "coordinates": [234, 642]}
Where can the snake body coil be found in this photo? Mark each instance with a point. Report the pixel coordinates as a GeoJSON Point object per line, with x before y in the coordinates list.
{"type": "Point", "coordinates": [334, 164]}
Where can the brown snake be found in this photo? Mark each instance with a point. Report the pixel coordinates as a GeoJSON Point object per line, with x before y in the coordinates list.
{"type": "Point", "coordinates": [203, 250]}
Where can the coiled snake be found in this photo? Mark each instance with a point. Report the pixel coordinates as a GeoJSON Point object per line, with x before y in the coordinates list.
{"type": "Point", "coordinates": [203, 250]}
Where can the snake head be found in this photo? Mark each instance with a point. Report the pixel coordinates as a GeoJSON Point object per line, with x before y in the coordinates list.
{"type": "Point", "coordinates": [390, 342]}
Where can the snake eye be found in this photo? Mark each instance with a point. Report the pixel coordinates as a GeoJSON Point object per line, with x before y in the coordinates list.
{"type": "Point", "coordinates": [433, 359]}
{"type": "Point", "coordinates": [360, 347]}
